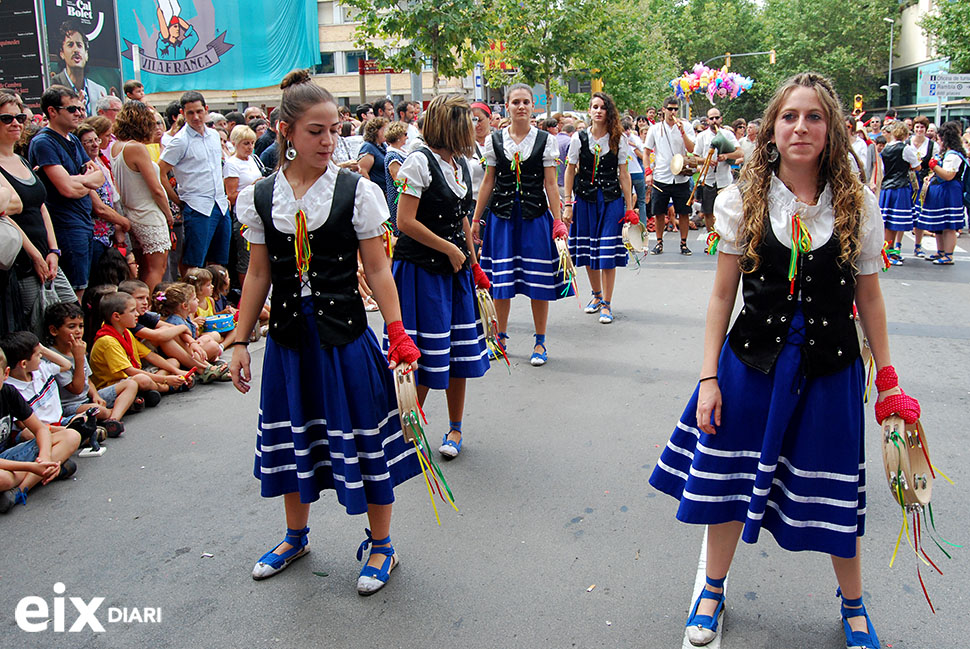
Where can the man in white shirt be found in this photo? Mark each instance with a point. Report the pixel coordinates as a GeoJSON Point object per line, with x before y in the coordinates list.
{"type": "Point", "coordinates": [667, 138]}
{"type": "Point", "coordinates": [750, 139]}
{"type": "Point", "coordinates": [719, 174]}
{"type": "Point", "coordinates": [195, 155]}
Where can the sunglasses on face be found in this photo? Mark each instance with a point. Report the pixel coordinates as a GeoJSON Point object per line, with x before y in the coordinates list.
{"type": "Point", "coordinates": [670, 107]}
{"type": "Point", "coordinates": [8, 119]}
{"type": "Point", "coordinates": [71, 109]}
{"type": "Point", "coordinates": [715, 117]}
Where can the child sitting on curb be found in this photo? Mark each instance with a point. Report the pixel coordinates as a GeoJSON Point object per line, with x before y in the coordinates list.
{"type": "Point", "coordinates": [173, 341]}
{"type": "Point", "coordinates": [65, 328]}
{"type": "Point", "coordinates": [117, 355]}
{"type": "Point", "coordinates": [36, 455]}
{"type": "Point", "coordinates": [177, 304]}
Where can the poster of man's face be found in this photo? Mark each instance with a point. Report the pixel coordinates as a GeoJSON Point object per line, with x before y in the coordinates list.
{"type": "Point", "coordinates": [74, 48]}
{"type": "Point", "coordinates": [82, 47]}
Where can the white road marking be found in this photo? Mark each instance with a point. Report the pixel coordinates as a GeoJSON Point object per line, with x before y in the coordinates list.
{"type": "Point", "coordinates": [699, 582]}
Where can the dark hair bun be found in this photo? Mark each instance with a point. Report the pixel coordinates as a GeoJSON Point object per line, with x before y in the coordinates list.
{"type": "Point", "coordinates": [295, 78]}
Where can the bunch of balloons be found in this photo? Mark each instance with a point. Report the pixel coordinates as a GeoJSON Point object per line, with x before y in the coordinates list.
{"type": "Point", "coordinates": [713, 82]}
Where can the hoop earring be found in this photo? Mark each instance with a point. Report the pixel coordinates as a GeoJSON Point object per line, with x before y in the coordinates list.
{"type": "Point", "coordinates": [290, 152]}
{"type": "Point", "coordinates": [773, 154]}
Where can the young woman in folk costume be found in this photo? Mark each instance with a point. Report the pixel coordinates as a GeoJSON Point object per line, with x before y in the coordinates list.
{"type": "Point", "coordinates": [943, 212]}
{"type": "Point", "coordinates": [926, 150]}
{"type": "Point", "coordinates": [434, 261]}
{"type": "Point", "coordinates": [896, 193]}
{"type": "Point", "coordinates": [327, 403]}
{"type": "Point", "coordinates": [772, 437]}
{"type": "Point", "coordinates": [518, 250]}
{"type": "Point", "coordinates": [596, 170]}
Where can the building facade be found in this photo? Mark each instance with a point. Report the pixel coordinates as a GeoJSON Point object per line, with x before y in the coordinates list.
{"type": "Point", "coordinates": [914, 56]}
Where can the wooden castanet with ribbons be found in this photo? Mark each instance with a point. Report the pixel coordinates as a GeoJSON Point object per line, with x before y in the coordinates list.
{"type": "Point", "coordinates": [411, 415]}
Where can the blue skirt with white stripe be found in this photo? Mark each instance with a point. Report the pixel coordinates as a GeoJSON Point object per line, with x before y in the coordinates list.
{"type": "Point", "coordinates": [596, 234]}
{"type": "Point", "coordinates": [897, 208]}
{"type": "Point", "coordinates": [439, 312]}
{"type": "Point", "coordinates": [328, 420]}
{"type": "Point", "coordinates": [788, 457]}
{"type": "Point", "coordinates": [943, 208]}
{"type": "Point", "coordinates": [519, 256]}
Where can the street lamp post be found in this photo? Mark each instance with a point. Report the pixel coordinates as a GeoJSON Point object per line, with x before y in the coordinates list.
{"type": "Point", "coordinates": [889, 82]}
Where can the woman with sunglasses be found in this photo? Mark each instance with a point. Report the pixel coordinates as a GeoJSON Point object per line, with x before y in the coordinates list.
{"type": "Point", "coordinates": [38, 260]}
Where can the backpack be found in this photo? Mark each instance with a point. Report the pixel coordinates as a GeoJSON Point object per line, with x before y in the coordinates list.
{"type": "Point", "coordinates": [966, 179]}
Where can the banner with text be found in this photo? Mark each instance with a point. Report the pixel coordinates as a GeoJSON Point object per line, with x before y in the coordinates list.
{"type": "Point", "coordinates": [21, 63]}
{"type": "Point", "coordinates": [216, 44]}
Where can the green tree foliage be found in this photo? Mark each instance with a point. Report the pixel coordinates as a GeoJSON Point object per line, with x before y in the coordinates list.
{"type": "Point", "coordinates": [445, 31]}
{"type": "Point", "coordinates": [539, 37]}
{"type": "Point", "coordinates": [627, 48]}
{"type": "Point", "coordinates": [846, 41]}
{"type": "Point", "coordinates": [949, 27]}
{"type": "Point", "coordinates": [614, 40]}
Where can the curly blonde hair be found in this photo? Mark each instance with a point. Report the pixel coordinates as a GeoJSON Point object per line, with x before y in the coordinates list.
{"type": "Point", "coordinates": [833, 170]}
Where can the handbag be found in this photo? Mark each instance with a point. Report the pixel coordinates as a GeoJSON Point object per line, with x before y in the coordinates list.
{"type": "Point", "coordinates": [46, 296]}
{"type": "Point", "coordinates": [11, 243]}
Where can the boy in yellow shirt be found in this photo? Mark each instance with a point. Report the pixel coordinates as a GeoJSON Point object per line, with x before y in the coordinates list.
{"type": "Point", "coordinates": [117, 354]}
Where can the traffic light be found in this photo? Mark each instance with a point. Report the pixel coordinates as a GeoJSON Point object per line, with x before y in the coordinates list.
{"type": "Point", "coordinates": [596, 85]}
{"type": "Point", "coordinates": [771, 57]}
{"type": "Point", "coordinates": [857, 105]}
{"type": "Point", "coordinates": [727, 61]}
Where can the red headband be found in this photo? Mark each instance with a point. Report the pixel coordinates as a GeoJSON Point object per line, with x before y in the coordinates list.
{"type": "Point", "coordinates": [482, 107]}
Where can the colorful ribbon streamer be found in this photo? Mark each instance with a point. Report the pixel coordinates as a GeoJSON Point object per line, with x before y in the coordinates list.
{"type": "Point", "coordinates": [301, 243]}
{"type": "Point", "coordinates": [517, 168]}
{"type": "Point", "coordinates": [801, 243]}
{"type": "Point", "coordinates": [429, 469]}
{"type": "Point", "coordinates": [885, 256]}
{"type": "Point", "coordinates": [402, 186]}
{"type": "Point", "coordinates": [712, 240]}
{"type": "Point", "coordinates": [597, 150]}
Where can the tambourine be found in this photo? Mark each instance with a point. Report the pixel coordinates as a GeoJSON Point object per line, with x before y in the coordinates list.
{"type": "Point", "coordinates": [930, 177]}
{"type": "Point", "coordinates": [635, 237]}
{"type": "Point", "coordinates": [906, 457]}
{"type": "Point", "coordinates": [221, 323]}
{"type": "Point", "coordinates": [489, 316]}
{"type": "Point", "coordinates": [408, 408]}
{"type": "Point", "coordinates": [486, 309]}
{"type": "Point", "coordinates": [681, 165]}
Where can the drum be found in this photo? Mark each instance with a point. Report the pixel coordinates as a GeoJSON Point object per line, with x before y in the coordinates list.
{"type": "Point", "coordinates": [635, 237]}
{"type": "Point", "coordinates": [683, 165]}
{"type": "Point", "coordinates": [220, 323]}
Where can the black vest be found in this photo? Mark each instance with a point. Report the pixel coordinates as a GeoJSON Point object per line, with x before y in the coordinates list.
{"type": "Point", "coordinates": [338, 309]}
{"type": "Point", "coordinates": [444, 214]}
{"type": "Point", "coordinates": [896, 169]}
{"type": "Point", "coordinates": [531, 192]}
{"type": "Point", "coordinates": [607, 175]}
{"type": "Point", "coordinates": [827, 290]}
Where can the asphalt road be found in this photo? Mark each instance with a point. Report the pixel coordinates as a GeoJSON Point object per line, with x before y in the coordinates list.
{"type": "Point", "coordinates": [552, 487]}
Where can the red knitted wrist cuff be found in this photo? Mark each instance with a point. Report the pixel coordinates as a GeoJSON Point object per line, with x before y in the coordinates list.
{"type": "Point", "coordinates": [886, 378]}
